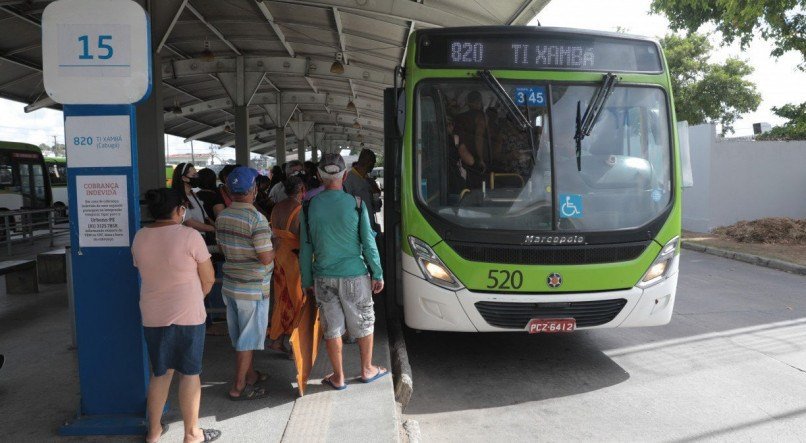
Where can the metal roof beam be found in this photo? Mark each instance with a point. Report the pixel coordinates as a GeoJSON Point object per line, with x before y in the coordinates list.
{"type": "Point", "coordinates": [21, 63]}
{"type": "Point", "coordinates": [22, 17]}
{"type": "Point", "coordinates": [274, 66]}
{"type": "Point", "coordinates": [401, 10]}
{"type": "Point", "coordinates": [212, 28]}
{"type": "Point", "coordinates": [261, 120]}
{"type": "Point", "coordinates": [18, 79]}
{"type": "Point", "coordinates": [527, 11]}
{"type": "Point", "coordinates": [346, 32]}
{"type": "Point", "coordinates": [270, 18]}
{"type": "Point", "coordinates": [171, 25]}
{"type": "Point", "coordinates": [340, 30]}
{"type": "Point", "coordinates": [39, 104]}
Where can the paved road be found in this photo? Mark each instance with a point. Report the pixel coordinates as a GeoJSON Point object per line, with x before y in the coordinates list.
{"type": "Point", "coordinates": [731, 365]}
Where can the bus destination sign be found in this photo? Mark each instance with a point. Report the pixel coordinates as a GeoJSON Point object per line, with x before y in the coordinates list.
{"type": "Point", "coordinates": [582, 53]}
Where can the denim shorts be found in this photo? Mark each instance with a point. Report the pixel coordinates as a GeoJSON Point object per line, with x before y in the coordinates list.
{"type": "Point", "coordinates": [175, 347]}
{"type": "Point", "coordinates": [247, 321]}
{"type": "Point", "coordinates": [345, 304]}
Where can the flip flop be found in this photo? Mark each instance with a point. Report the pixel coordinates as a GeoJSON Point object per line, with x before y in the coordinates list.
{"type": "Point", "coordinates": [261, 377]}
{"type": "Point", "coordinates": [327, 382]}
{"type": "Point", "coordinates": [250, 392]}
{"type": "Point", "coordinates": [165, 427]}
{"type": "Point", "coordinates": [210, 434]}
{"type": "Point", "coordinates": [381, 373]}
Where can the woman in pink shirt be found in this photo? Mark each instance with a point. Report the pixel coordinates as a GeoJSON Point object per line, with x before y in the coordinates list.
{"type": "Point", "coordinates": [176, 274]}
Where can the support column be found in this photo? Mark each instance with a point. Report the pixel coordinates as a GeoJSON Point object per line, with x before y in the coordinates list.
{"type": "Point", "coordinates": [241, 134]}
{"type": "Point", "coordinates": [151, 133]}
{"type": "Point", "coordinates": [279, 145]}
{"type": "Point", "coordinates": [314, 154]}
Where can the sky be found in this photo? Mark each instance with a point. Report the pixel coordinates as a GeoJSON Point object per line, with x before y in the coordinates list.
{"type": "Point", "coordinates": [778, 80]}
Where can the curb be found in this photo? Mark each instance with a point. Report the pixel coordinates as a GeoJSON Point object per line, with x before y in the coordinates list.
{"type": "Point", "coordinates": [747, 258]}
{"type": "Point", "coordinates": [401, 369]}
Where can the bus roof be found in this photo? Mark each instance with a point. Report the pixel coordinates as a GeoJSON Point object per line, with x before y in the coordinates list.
{"type": "Point", "coordinates": [20, 146]}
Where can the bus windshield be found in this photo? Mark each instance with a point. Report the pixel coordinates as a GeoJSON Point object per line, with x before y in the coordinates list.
{"type": "Point", "coordinates": [476, 166]}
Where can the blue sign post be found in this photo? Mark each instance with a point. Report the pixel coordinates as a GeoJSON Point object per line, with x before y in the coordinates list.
{"type": "Point", "coordinates": [97, 71]}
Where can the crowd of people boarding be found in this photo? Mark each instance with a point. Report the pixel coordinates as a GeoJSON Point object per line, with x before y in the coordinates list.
{"type": "Point", "coordinates": [297, 250]}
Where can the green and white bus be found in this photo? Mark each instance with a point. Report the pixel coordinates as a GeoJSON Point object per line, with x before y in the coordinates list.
{"type": "Point", "coordinates": [533, 181]}
{"type": "Point", "coordinates": [23, 177]}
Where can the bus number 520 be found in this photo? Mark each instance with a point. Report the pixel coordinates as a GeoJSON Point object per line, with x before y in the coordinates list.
{"type": "Point", "coordinates": [503, 279]}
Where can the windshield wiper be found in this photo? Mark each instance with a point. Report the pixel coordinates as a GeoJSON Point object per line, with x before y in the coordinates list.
{"type": "Point", "coordinates": [584, 124]}
{"type": "Point", "coordinates": [520, 120]}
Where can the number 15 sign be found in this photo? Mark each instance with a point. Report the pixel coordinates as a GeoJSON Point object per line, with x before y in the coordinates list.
{"type": "Point", "coordinates": [96, 52]}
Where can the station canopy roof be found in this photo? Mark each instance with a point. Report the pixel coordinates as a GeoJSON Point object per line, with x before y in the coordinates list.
{"type": "Point", "coordinates": [286, 52]}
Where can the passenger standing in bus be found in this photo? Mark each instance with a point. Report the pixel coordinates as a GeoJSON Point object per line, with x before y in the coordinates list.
{"type": "Point", "coordinates": [176, 274]}
{"type": "Point", "coordinates": [288, 296]}
{"type": "Point", "coordinates": [185, 178]}
{"type": "Point", "coordinates": [245, 239]}
{"type": "Point", "coordinates": [337, 254]}
{"type": "Point", "coordinates": [471, 127]}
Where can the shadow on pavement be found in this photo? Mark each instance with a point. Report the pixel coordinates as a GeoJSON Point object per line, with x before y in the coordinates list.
{"type": "Point", "coordinates": [492, 370]}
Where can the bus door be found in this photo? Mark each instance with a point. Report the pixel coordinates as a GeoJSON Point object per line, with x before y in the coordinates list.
{"type": "Point", "coordinates": [32, 184]}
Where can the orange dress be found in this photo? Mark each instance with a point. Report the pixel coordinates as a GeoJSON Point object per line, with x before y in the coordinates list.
{"type": "Point", "coordinates": [288, 295]}
{"type": "Point", "coordinates": [294, 313]}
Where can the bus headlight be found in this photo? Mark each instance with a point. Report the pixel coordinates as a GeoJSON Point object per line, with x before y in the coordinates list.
{"type": "Point", "coordinates": [659, 269]}
{"type": "Point", "coordinates": [432, 267]}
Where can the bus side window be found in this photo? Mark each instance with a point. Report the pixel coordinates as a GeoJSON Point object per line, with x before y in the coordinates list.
{"type": "Point", "coordinates": [6, 175]}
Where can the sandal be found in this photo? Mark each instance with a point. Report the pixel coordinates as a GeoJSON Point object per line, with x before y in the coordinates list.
{"type": "Point", "coordinates": [261, 377]}
{"type": "Point", "coordinates": [164, 430]}
{"type": "Point", "coordinates": [210, 434]}
{"type": "Point", "coordinates": [250, 392]}
{"type": "Point", "coordinates": [327, 381]}
{"type": "Point", "coordinates": [381, 372]}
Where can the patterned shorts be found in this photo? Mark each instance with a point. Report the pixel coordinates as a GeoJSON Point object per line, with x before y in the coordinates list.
{"type": "Point", "coordinates": [345, 304]}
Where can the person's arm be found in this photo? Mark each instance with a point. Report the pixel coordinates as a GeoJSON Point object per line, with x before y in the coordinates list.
{"type": "Point", "coordinates": [204, 267]}
{"type": "Point", "coordinates": [217, 208]}
{"type": "Point", "coordinates": [199, 226]}
{"type": "Point", "coordinates": [368, 246]}
{"type": "Point", "coordinates": [261, 241]}
{"type": "Point", "coordinates": [294, 228]}
{"type": "Point", "coordinates": [206, 275]}
{"type": "Point", "coordinates": [305, 254]}
{"type": "Point", "coordinates": [481, 126]}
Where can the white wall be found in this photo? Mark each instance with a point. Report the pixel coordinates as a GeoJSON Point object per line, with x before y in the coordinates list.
{"type": "Point", "coordinates": [742, 180]}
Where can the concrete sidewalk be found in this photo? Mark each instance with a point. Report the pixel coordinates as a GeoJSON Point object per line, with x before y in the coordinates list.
{"type": "Point", "coordinates": [39, 386]}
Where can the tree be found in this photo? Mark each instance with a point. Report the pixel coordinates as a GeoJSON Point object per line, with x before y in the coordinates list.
{"type": "Point", "coordinates": [781, 21]}
{"type": "Point", "coordinates": [793, 129]}
{"type": "Point", "coordinates": [705, 91]}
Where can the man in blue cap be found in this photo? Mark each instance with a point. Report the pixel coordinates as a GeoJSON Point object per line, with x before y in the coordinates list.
{"type": "Point", "coordinates": [244, 236]}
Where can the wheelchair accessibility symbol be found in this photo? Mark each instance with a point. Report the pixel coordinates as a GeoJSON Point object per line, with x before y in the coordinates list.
{"type": "Point", "coordinates": [570, 205]}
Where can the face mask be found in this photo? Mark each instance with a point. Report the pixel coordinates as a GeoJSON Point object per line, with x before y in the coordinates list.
{"type": "Point", "coordinates": [194, 182]}
{"type": "Point", "coordinates": [184, 214]}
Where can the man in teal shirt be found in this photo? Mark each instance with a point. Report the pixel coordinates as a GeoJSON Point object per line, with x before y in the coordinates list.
{"type": "Point", "coordinates": [337, 252]}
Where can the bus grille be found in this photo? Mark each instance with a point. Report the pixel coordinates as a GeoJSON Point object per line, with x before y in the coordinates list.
{"type": "Point", "coordinates": [517, 315]}
{"type": "Point", "coordinates": [550, 255]}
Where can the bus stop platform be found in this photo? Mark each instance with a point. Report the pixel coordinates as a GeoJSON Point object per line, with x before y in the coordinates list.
{"type": "Point", "coordinates": [39, 388]}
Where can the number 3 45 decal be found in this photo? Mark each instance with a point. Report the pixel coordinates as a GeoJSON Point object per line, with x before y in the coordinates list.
{"type": "Point", "coordinates": [503, 279]}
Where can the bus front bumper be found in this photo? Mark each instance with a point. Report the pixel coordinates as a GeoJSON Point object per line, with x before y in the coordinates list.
{"type": "Point", "coordinates": [430, 307]}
